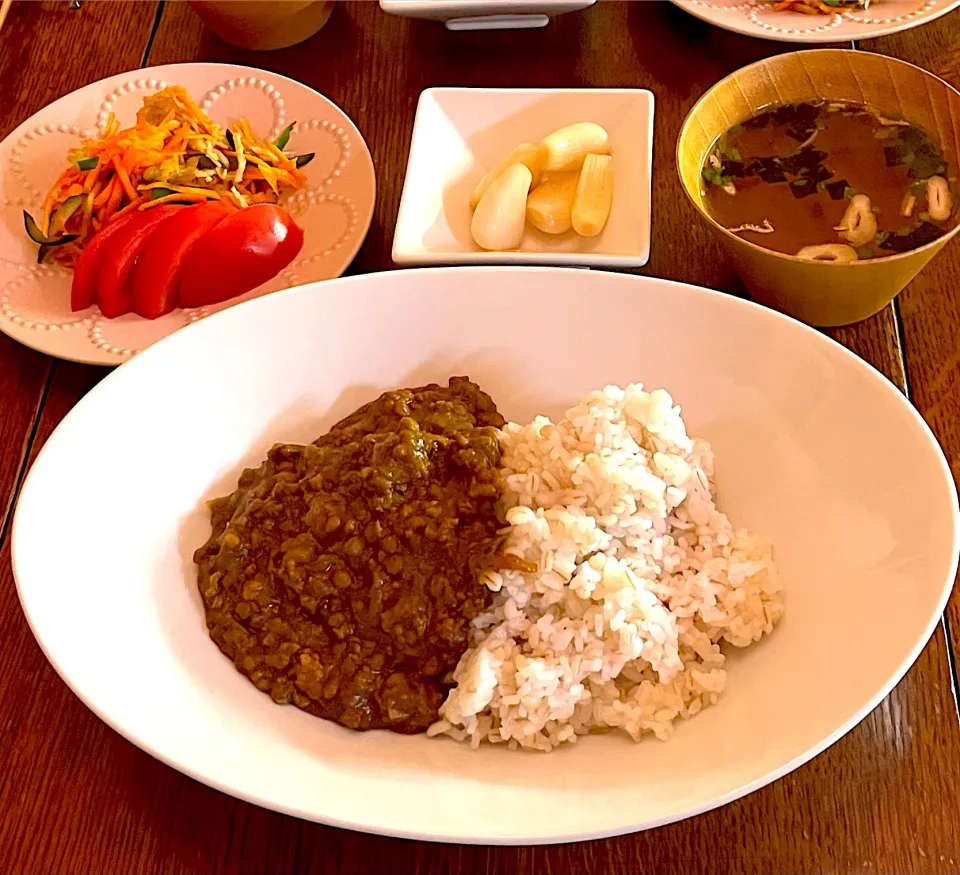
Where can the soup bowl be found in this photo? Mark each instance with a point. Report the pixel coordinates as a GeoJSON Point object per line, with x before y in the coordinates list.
{"type": "Point", "coordinates": [820, 293]}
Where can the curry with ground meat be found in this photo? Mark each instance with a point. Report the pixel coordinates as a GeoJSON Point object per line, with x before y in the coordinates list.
{"type": "Point", "coordinates": [342, 576]}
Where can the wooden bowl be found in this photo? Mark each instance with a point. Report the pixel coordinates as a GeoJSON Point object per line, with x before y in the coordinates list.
{"type": "Point", "coordinates": [816, 292]}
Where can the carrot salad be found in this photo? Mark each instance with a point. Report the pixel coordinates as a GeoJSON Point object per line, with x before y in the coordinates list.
{"type": "Point", "coordinates": [820, 7]}
{"type": "Point", "coordinates": [174, 153]}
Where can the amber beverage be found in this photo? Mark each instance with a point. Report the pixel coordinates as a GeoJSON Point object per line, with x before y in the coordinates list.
{"type": "Point", "coordinates": [263, 24]}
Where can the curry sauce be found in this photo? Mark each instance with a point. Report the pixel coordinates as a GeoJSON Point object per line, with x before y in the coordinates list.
{"type": "Point", "coordinates": [342, 576]}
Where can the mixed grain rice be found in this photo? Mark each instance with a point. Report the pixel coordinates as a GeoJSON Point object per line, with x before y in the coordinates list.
{"type": "Point", "coordinates": [639, 581]}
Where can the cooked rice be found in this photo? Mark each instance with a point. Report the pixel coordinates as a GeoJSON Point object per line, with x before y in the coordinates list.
{"type": "Point", "coordinates": [638, 581]}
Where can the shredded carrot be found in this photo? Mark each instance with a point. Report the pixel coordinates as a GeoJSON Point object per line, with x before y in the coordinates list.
{"type": "Point", "coordinates": [198, 114]}
{"type": "Point", "coordinates": [184, 189]}
{"type": "Point", "coordinates": [87, 215]}
{"type": "Point", "coordinates": [133, 205]}
{"type": "Point", "coordinates": [817, 7]}
{"type": "Point", "coordinates": [247, 133]}
{"type": "Point", "coordinates": [172, 145]}
{"type": "Point", "coordinates": [105, 193]}
{"type": "Point", "coordinates": [277, 153]}
{"type": "Point", "coordinates": [92, 177]}
{"type": "Point", "coordinates": [176, 142]}
{"type": "Point", "coordinates": [112, 205]}
{"type": "Point", "coordinates": [177, 197]}
{"type": "Point", "coordinates": [131, 192]}
{"type": "Point", "coordinates": [95, 192]}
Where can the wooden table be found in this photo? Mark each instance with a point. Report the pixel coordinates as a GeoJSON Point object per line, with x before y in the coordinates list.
{"type": "Point", "coordinates": [76, 797]}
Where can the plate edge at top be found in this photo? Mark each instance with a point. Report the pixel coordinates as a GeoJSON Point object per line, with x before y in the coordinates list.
{"type": "Point", "coordinates": [827, 37]}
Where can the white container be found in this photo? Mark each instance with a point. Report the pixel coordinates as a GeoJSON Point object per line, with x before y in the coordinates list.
{"type": "Point", "coordinates": [461, 133]}
{"type": "Point", "coordinates": [484, 14]}
{"type": "Point", "coordinates": [815, 450]}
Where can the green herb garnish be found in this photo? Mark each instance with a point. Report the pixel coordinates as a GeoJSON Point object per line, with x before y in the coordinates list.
{"type": "Point", "coordinates": [87, 163]}
{"type": "Point", "coordinates": [46, 243]}
{"type": "Point", "coordinates": [865, 252]}
{"type": "Point", "coordinates": [63, 213]}
{"type": "Point", "coordinates": [728, 151]}
{"type": "Point", "coordinates": [304, 159]}
{"type": "Point", "coordinates": [924, 165]}
{"type": "Point", "coordinates": [849, 193]}
{"type": "Point", "coordinates": [716, 177]}
{"type": "Point", "coordinates": [159, 192]}
{"type": "Point", "coordinates": [33, 230]}
{"type": "Point", "coordinates": [713, 176]}
{"type": "Point", "coordinates": [284, 137]}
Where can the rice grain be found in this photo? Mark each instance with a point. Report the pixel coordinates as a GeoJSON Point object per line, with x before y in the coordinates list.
{"type": "Point", "coordinates": [639, 581]}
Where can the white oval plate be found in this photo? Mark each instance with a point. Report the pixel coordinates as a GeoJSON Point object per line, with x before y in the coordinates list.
{"type": "Point", "coordinates": [334, 208]}
{"type": "Point", "coordinates": [814, 449]}
{"type": "Point", "coordinates": [759, 18]}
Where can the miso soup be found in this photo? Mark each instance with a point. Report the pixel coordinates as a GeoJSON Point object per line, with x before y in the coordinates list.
{"type": "Point", "coordinates": [831, 181]}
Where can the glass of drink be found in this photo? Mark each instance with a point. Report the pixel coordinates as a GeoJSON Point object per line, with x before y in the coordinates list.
{"type": "Point", "coordinates": [263, 24]}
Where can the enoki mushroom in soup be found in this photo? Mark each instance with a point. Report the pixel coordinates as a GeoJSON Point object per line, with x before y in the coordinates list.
{"type": "Point", "coordinates": [836, 179]}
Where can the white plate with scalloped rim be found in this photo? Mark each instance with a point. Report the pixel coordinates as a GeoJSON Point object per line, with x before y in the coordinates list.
{"type": "Point", "coordinates": [815, 450]}
{"type": "Point", "coordinates": [334, 208]}
{"type": "Point", "coordinates": [758, 18]}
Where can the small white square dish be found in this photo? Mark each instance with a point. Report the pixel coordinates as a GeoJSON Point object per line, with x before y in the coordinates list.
{"type": "Point", "coordinates": [484, 14]}
{"type": "Point", "coordinates": [461, 133]}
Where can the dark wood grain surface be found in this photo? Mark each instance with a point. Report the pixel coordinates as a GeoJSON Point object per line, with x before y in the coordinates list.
{"type": "Point", "coordinates": [930, 308]}
{"type": "Point", "coordinates": [36, 67]}
{"type": "Point", "coordinates": [75, 797]}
